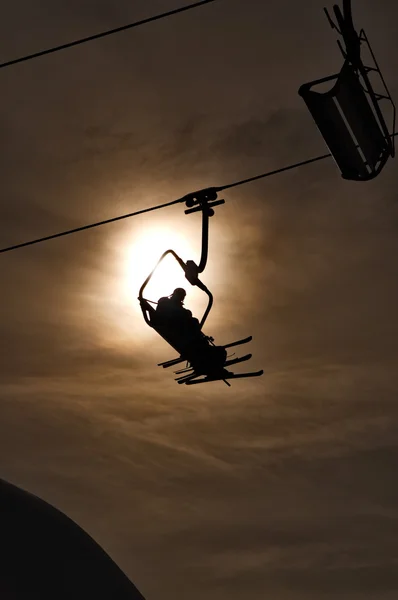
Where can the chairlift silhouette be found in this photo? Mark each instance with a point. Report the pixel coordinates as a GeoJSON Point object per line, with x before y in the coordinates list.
{"type": "Point", "coordinates": [205, 361]}
{"type": "Point", "coordinates": [349, 115]}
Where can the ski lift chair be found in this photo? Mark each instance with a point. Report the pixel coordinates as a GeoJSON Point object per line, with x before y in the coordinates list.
{"type": "Point", "coordinates": [349, 116]}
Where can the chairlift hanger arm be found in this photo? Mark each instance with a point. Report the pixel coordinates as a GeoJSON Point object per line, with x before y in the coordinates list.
{"type": "Point", "coordinates": [204, 201]}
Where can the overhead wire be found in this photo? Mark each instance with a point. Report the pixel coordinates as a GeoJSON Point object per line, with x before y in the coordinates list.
{"type": "Point", "coordinates": [220, 188]}
{"type": "Point", "coordinates": [89, 226]}
{"type": "Point", "coordinates": [159, 206]}
{"type": "Point", "coordinates": [275, 172]}
{"type": "Point", "coordinates": [102, 34]}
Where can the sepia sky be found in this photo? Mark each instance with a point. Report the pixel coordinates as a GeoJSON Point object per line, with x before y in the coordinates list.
{"type": "Point", "coordinates": [282, 487]}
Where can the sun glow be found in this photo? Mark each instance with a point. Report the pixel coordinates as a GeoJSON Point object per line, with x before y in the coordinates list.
{"type": "Point", "coordinates": [142, 256]}
{"type": "Point", "coordinates": [112, 302]}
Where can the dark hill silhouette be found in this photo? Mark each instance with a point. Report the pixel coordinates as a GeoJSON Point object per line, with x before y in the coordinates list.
{"type": "Point", "coordinates": [45, 555]}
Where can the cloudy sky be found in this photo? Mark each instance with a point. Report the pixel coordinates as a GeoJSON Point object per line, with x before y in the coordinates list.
{"type": "Point", "coordinates": [282, 487]}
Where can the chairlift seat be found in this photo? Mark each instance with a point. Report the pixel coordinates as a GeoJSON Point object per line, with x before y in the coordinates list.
{"type": "Point", "coordinates": [348, 123]}
{"type": "Point", "coordinates": [205, 361]}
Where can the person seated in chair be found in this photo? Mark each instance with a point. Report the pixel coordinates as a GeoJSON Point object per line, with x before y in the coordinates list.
{"type": "Point", "coordinates": [171, 308]}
